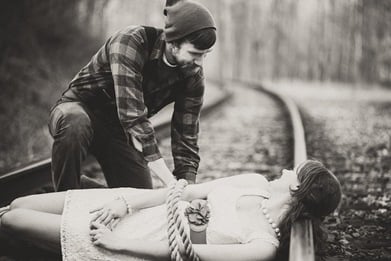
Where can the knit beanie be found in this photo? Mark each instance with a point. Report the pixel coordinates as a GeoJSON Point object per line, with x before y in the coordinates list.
{"type": "Point", "coordinates": [186, 17]}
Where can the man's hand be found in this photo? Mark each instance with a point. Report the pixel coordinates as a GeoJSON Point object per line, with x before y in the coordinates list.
{"type": "Point", "coordinates": [110, 213]}
{"type": "Point", "coordinates": [160, 169]}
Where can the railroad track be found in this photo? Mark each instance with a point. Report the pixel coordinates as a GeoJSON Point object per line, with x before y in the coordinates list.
{"type": "Point", "coordinates": [32, 178]}
{"type": "Point", "coordinates": [301, 241]}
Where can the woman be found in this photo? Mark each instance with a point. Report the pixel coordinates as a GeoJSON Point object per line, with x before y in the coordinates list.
{"type": "Point", "coordinates": [250, 217]}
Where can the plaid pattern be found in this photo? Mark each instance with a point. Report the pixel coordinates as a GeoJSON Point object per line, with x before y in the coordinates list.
{"type": "Point", "coordinates": [142, 84]}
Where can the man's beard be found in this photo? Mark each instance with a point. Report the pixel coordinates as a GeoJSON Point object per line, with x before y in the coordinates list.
{"type": "Point", "coordinates": [185, 65]}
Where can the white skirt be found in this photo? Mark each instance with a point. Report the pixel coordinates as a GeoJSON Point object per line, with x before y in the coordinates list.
{"type": "Point", "coordinates": [146, 224]}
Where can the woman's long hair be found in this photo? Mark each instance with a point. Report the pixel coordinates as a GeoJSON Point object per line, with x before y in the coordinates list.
{"type": "Point", "coordinates": [318, 194]}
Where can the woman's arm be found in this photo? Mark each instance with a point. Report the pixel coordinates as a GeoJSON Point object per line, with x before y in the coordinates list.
{"type": "Point", "coordinates": [151, 198]}
{"type": "Point", "coordinates": [146, 198]}
{"type": "Point", "coordinates": [159, 250]}
{"type": "Point", "coordinates": [103, 237]}
{"type": "Point", "coordinates": [129, 201]}
{"type": "Point", "coordinates": [202, 190]}
{"type": "Point", "coordinates": [255, 250]}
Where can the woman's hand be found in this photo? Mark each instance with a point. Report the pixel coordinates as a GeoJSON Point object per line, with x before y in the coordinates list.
{"type": "Point", "coordinates": [110, 213]}
{"type": "Point", "coordinates": [103, 237]}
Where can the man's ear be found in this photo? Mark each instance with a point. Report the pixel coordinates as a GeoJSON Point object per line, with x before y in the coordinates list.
{"type": "Point", "coordinates": [173, 47]}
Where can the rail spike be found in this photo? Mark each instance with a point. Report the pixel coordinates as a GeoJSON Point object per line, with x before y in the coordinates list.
{"type": "Point", "coordinates": [177, 235]}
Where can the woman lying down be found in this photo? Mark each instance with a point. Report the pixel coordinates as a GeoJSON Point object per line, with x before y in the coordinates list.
{"type": "Point", "coordinates": [249, 218]}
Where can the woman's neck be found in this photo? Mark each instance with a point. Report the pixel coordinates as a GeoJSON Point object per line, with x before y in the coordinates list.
{"type": "Point", "coordinates": [279, 200]}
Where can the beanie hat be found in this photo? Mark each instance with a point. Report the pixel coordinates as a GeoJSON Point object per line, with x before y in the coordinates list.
{"type": "Point", "coordinates": [186, 17]}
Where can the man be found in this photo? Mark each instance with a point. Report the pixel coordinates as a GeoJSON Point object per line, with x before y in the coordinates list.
{"type": "Point", "coordinates": [106, 107]}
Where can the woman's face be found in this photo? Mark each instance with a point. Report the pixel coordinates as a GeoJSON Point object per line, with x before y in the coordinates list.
{"type": "Point", "coordinates": [289, 177]}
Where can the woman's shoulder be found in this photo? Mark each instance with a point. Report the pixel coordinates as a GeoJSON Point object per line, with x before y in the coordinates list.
{"type": "Point", "coordinates": [243, 183]}
{"type": "Point", "coordinates": [253, 180]}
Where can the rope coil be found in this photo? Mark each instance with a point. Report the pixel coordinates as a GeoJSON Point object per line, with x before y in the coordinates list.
{"type": "Point", "coordinates": [177, 235]}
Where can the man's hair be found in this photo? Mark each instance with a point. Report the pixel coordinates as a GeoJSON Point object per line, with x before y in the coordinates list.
{"type": "Point", "coordinates": [202, 39]}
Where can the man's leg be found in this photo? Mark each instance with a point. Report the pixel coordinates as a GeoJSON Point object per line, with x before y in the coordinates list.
{"type": "Point", "coordinates": [72, 131]}
{"type": "Point", "coordinates": [122, 164]}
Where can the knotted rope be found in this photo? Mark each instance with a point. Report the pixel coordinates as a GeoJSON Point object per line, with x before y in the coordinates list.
{"type": "Point", "coordinates": [177, 235]}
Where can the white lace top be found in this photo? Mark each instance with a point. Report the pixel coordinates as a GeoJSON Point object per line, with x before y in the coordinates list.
{"type": "Point", "coordinates": [226, 225]}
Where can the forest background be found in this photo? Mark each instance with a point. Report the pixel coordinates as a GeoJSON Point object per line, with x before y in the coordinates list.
{"type": "Point", "coordinates": [44, 44]}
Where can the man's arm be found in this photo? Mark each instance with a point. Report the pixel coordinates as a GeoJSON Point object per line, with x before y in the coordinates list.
{"type": "Point", "coordinates": [160, 169]}
{"type": "Point", "coordinates": [185, 128]}
{"type": "Point", "coordinates": [127, 57]}
{"type": "Point", "coordinates": [157, 167]}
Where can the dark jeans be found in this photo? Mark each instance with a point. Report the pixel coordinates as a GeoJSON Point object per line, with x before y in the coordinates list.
{"type": "Point", "coordinates": [78, 131]}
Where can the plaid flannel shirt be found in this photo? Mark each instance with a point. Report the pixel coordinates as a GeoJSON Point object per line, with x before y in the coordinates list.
{"type": "Point", "coordinates": [142, 85]}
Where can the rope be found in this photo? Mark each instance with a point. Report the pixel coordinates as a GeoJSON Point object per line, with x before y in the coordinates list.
{"type": "Point", "coordinates": [176, 230]}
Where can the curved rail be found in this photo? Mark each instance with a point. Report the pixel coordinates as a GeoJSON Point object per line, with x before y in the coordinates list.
{"type": "Point", "coordinates": [301, 240]}
{"type": "Point", "coordinates": [33, 178]}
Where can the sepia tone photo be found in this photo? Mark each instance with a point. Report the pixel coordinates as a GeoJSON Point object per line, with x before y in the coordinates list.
{"type": "Point", "coordinates": [195, 130]}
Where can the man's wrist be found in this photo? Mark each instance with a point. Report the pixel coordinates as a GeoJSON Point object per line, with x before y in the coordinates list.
{"type": "Point", "coordinates": [160, 169]}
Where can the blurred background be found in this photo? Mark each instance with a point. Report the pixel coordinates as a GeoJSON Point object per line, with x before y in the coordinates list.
{"type": "Point", "coordinates": [43, 44]}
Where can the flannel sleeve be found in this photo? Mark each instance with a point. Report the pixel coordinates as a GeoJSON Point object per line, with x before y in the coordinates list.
{"type": "Point", "coordinates": [185, 128]}
{"type": "Point", "coordinates": [127, 55]}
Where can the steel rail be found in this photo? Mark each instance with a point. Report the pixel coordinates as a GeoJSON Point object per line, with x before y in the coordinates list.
{"type": "Point", "coordinates": [35, 177]}
{"type": "Point", "coordinates": [301, 240]}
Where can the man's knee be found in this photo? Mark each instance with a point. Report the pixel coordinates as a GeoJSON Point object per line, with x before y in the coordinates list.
{"type": "Point", "coordinates": [70, 120]}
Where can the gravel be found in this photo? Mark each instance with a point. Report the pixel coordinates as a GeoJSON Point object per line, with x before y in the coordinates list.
{"type": "Point", "coordinates": [348, 128]}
